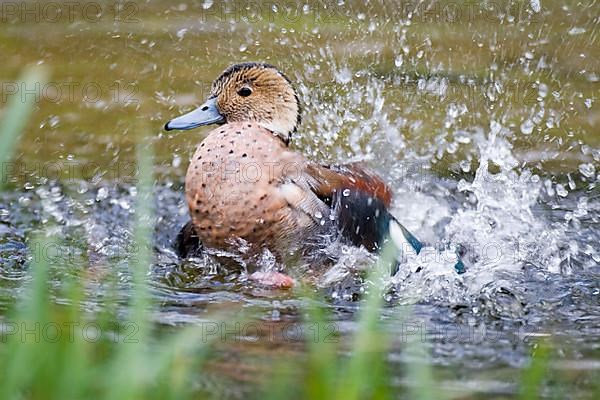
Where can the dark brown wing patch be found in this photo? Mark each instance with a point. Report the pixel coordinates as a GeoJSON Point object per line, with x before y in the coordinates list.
{"type": "Point", "coordinates": [332, 179]}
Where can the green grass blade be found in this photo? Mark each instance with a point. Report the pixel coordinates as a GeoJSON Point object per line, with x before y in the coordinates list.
{"type": "Point", "coordinates": [133, 356]}
{"type": "Point", "coordinates": [534, 375]}
{"type": "Point", "coordinates": [369, 343]}
{"type": "Point", "coordinates": [144, 224]}
{"type": "Point", "coordinates": [17, 113]}
{"type": "Point", "coordinates": [322, 362]}
{"type": "Point", "coordinates": [419, 372]}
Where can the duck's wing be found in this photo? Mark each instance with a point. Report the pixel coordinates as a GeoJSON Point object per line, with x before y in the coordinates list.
{"type": "Point", "coordinates": [349, 197]}
{"type": "Point", "coordinates": [360, 201]}
{"type": "Point", "coordinates": [329, 180]}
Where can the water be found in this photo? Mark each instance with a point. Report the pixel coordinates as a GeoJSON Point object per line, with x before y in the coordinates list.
{"type": "Point", "coordinates": [488, 138]}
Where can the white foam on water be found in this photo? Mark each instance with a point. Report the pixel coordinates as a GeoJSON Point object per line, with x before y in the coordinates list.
{"type": "Point", "coordinates": [497, 225]}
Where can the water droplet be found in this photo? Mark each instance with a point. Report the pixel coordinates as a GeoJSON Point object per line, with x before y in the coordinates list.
{"type": "Point", "coordinates": [463, 185]}
{"type": "Point", "coordinates": [548, 185]}
{"type": "Point", "coordinates": [527, 127]}
{"type": "Point", "coordinates": [495, 127]}
{"type": "Point", "coordinates": [181, 33]}
{"type": "Point", "coordinates": [462, 137]}
{"type": "Point", "coordinates": [275, 315]}
{"type": "Point", "coordinates": [561, 191]}
{"type": "Point", "coordinates": [399, 60]}
{"type": "Point", "coordinates": [572, 184]}
{"type": "Point", "coordinates": [576, 31]}
{"type": "Point", "coordinates": [588, 170]}
{"type": "Point", "coordinates": [124, 204]}
{"type": "Point", "coordinates": [543, 90]}
{"type": "Point", "coordinates": [346, 192]}
{"type": "Point", "coordinates": [102, 194]}
{"type": "Point", "coordinates": [54, 121]}
{"type": "Point", "coordinates": [465, 165]}
{"type": "Point", "coordinates": [24, 201]}
{"type": "Point", "coordinates": [452, 147]}
{"type": "Point", "coordinates": [343, 76]}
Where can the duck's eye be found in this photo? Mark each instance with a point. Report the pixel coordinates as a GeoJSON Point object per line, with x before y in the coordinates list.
{"type": "Point", "coordinates": [245, 91]}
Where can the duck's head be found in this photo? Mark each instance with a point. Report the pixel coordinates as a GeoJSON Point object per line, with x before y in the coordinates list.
{"type": "Point", "coordinates": [247, 92]}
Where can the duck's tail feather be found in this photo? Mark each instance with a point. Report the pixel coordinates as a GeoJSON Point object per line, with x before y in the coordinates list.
{"type": "Point", "coordinates": [400, 236]}
{"type": "Point", "coordinates": [187, 242]}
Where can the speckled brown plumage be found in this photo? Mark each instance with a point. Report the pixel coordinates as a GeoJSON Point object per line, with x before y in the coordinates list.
{"type": "Point", "coordinates": [238, 186]}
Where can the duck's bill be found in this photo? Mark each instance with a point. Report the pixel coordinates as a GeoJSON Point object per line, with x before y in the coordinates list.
{"type": "Point", "coordinates": [206, 114]}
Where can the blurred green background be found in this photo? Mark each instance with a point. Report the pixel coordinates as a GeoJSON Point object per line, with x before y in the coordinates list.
{"type": "Point", "coordinates": [437, 68]}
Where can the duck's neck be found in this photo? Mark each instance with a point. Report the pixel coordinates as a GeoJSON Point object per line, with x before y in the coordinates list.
{"type": "Point", "coordinates": [279, 131]}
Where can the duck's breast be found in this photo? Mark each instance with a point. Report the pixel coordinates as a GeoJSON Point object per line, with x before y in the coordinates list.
{"type": "Point", "coordinates": [233, 185]}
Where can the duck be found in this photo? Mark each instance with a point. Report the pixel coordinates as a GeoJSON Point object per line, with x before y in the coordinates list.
{"type": "Point", "coordinates": [247, 191]}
